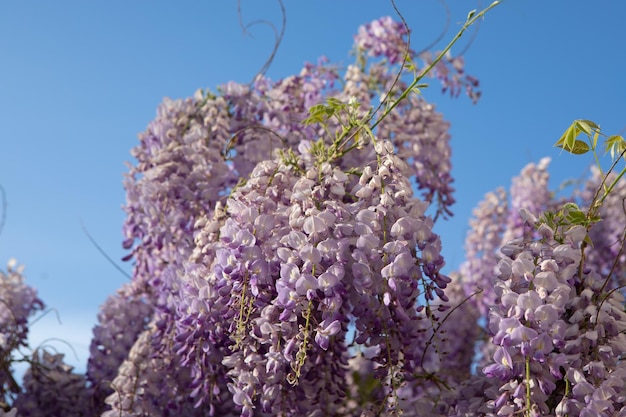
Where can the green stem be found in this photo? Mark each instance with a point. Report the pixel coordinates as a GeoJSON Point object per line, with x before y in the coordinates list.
{"type": "Point", "coordinates": [613, 184]}
{"type": "Point", "coordinates": [527, 386]}
{"type": "Point", "coordinates": [439, 57]}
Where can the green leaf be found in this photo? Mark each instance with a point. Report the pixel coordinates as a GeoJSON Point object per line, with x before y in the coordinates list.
{"type": "Point", "coordinates": [471, 14]}
{"type": "Point", "coordinates": [595, 139]}
{"type": "Point", "coordinates": [578, 147]}
{"type": "Point", "coordinates": [586, 126]}
{"type": "Point", "coordinates": [313, 119]}
{"type": "Point", "coordinates": [615, 145]}
{"type": "Point", "coordinates": [582, 126]}
{"type": "Point", "coordinates": [568, 138]}
{"type": "Point", "coordinates": [576, 217]}
{"type": "Point", "coordinates": [570, 207]}
{"type": "Point", "coordinates": [333, 102]}
{"type": "Point", "coordinates": [417, 90]}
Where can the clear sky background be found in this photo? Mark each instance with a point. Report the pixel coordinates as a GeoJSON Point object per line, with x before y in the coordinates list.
{"type": "Point", "coordinates": [79, 80]}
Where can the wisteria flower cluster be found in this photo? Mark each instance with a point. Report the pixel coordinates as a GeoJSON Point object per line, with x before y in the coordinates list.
{"type": "Point", "coordinates": [225, 257]}
{"type": "Point", "coordinates": [286, 263]}
{"type": "Point", "coordinates": [50, 388]}
{"type": "Point", "coordinates": [18, 303]}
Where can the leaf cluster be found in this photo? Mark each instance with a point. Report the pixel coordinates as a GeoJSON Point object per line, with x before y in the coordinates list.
{"type": "Point", "coordinates": [570, 142]}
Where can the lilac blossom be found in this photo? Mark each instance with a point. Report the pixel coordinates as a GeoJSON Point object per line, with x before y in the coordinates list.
{"type": "Point", "coordinates": [482, 242]}
{"type": "Point", "coordinates": [50, 388]}
{"type": "Point", "coordinates": [421, 137]}
{"type": "Point", "coordinates": [288, 268]}
{"type": "Point", "coordinates": [287, 277]}
{"type": "Point", "coordinates": [609, 234]}
{"type": "Point", "coordinates": [450, 72]}
{"type": "Point", "coordinates": [383, 37]}
{"type": "Point", "coordinates": [18, 303]}
{"type": "Point", "coordinates": [529, 193]}
{"type": "Point", "coordinates": [388, 39]}
{"type": "Point", "coordinates": [244, 137]}
{"type": "Point", "coordinates": [217, 270]}
{"type": "Point", "coordinates": [121, 319]}
{"type": "Point", "coordinates": [177, 178]}
{"type": "Point", "coordinates": [549, 314]}
{"type": "Point", "coordinates": [235, 279]}
{"type": "Point", "coordinates": [147, 384]}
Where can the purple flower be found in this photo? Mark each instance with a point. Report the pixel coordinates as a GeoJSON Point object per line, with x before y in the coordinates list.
{"type": "Point", "coordinates": [51, 388]}
{"type": "Point", "coordinates": [383, 37]}
{"type": "Point", "coordinates": [325, 330]}
{"type": "Point", "coordinates": [19, 302]}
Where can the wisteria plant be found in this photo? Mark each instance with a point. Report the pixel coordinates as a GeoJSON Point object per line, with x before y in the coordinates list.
{"type": "Point", "coordinates": [285, 263]}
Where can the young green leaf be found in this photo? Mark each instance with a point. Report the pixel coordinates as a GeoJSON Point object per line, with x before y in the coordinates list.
{"type": "Point", "coordinates": [595, 139]}
{"type": "Point", "coordinates": [586, 126]}
{"type": "Point", "coordinates": [615, 145]}
{"type": "Point", "coordinates": [578, 147]}
{"type": "Point", "coordinates": [568, 138]}
{"type": "Point", "coordinates": [582, 126]}
{"type": "Point", "coordinates": [570, 207]}
{"type": "Point", "coordinates": [576, 217]}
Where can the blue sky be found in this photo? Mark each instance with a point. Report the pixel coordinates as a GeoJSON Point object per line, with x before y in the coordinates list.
{"type": "Point", "coordinates": [79, 80]}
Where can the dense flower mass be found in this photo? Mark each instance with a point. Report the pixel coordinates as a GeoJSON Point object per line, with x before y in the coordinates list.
{"type": "Point", "coordinates": [122, 319]}
{"type": "Point", "coordinates": [481, 243]}
{"type": "Point", "coordinates": [558, 346]}
{"type": "Point", "coordinates": [608, 235]}
{"type": "Point", "coordinates": [18, 302]}
{"type": "Point", "coordinates": [284, 265]}
{"type": "Point", "coordinates": [553, 313]}
{"type": "Point", "coordinates": [50, 388]}
{"type": "Point", "coordinates": [384, 37]}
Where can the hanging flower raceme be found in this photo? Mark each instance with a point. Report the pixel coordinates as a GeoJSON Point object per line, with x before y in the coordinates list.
{"type": "Point", "coordinates": [122, 318]}
{"type": "Point", "coordinates": [529, 193]}
{"type": "Point", "coordinates": [559, 334]}
{"type": "Point", "coordinates": [482, 242]}
{"type": "Point", "coordinates": [607, 255]}
{"type": "Point", "coordinates": [50, 388]}
{"type": "Point", "coordinates": [18, 303]}
{"type": "Point", "coordinates": [497, 221]}
{"type": "Point", "coordinates": [253, 294]}
{"type": "Point", "coordinates": [383, 37]}
{"type": "Point", "coordinates": [451, 73]}
{"type": "Point", "coordinates": [268, 115]}
{"type": "Point", "coordinates": [180, 175]}
{"type": "Point", "coordinates": [388, 39]}
{"type": "Point", "coordinates": [225, 287]}
{"type": "Point", "coordinates": [303, 251]}
{"type": "Point", "coordinates": [148, 384]}
{"type": "Point", "coordinates": [421, 137]}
